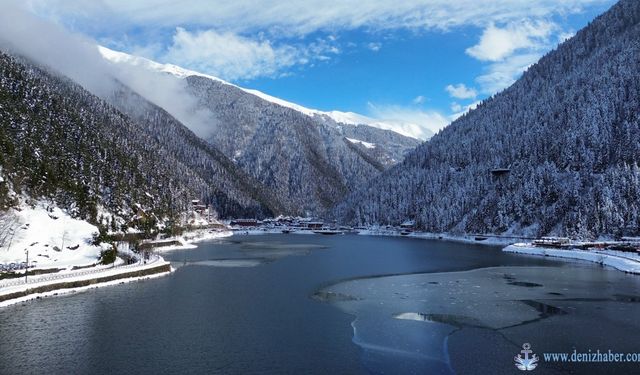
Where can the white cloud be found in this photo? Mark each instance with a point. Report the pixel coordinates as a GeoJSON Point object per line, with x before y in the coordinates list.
{"type": "Point", "coordinates": [459, 109]}
{"type": "Point", "coordinates": [502, 74]}
{"type": "Point", "coordinates": [499, 43]}
{"type": "Point", "coordinates": [417, 123]}
{"type": "Point", "coordinates": [233, 57]}
{"type": "Point", "coordinates": [285, 17]}
{"type": "Point", "coordinates": [419, 100]}
{"type": "Point", "coordinates": [461, 91]}
{"type": "Point", "coordinates": [375, 47]}
{"type": "Point", "coordinates": [511, 49]}
{"type": "Point", "coordinates": [565, 35]}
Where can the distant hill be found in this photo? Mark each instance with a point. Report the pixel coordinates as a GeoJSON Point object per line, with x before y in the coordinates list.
{"type": "Point", "coordinates": [555, 153]}
{"type": "Point", "coordinates": [308, 159]}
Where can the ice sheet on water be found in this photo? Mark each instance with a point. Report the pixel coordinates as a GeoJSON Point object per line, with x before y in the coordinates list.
{"type": "Point", "coordinates": [252, 254]}
{"type": "Point", "coordinates": [275, 250]}
{"type": "Point", "coordinates": [231, 262]}
{"type": "Point", "coordinates": [415, 314]}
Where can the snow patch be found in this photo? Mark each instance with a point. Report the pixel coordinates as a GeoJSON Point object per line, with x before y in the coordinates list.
{"type": "Point", "coordinates": [365, 144]}
{"type": "Point", "coordinates": [54, 239]}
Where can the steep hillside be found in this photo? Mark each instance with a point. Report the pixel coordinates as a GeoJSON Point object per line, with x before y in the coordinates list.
{"type": "Point", "coordinates": [556, 153]}
{"type": "Point", "coordinates": [303, 159]}
{"type": "Point", "coordinates": [60, 142]}
{"type": "Point", "coordinates": [234, 192]}
{"type": "Point", "coordinates": [240, 114]}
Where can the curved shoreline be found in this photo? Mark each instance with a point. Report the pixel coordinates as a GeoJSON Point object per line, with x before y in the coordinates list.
{"type": "Point", "coordinates": [618, 262]}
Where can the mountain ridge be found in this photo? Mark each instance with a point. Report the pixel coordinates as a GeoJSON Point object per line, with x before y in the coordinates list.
{"type": "Point", "coordinates": [349, 118]}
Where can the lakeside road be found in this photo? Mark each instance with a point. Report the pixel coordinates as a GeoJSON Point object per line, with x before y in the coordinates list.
{"type": "Point", "coordinates": [18, 290]}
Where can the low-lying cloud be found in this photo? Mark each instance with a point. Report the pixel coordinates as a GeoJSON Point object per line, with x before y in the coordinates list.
{"type": "Point", "coordinates": [414, 122]}
{"type": "Point", "coordinates": [78, 58]}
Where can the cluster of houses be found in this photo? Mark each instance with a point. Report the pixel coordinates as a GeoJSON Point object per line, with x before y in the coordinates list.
{"type": "Point", "coordinates": [287, 224]}
{"type": "Point", "coordinates": [202, 215]}
{"type": "Point", "coordinates": [282, 222]}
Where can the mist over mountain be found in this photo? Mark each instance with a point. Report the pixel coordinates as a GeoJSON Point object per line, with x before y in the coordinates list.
{"type": "Point", "coordinates": [555, 153]}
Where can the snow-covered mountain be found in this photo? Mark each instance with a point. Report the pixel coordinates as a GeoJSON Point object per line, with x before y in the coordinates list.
{"type": "Point", "coordinates": [349, 118]}
{"type": "Point", "coordinates": [63, 145]}
{"type": "Point", "coordinates": [556, 153]}
{"type": "Point", "coordinates": [305, 158]}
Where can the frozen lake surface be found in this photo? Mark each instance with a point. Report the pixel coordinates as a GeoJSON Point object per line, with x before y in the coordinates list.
{"type": "Point", "coordinates": [330, 304]}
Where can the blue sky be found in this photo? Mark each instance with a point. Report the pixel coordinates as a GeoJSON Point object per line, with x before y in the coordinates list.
{"type": "Point", "coordinates": [418, 61]}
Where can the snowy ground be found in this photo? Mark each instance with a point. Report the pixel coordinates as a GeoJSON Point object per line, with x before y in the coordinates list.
{"type": "Point", "coordinates": [623, 261]}
{"type": "Point", "coordinates": [53, 238]}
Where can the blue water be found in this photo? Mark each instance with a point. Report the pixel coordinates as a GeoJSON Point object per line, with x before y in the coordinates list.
{"type": "Point", "coordinates": [216, 315]}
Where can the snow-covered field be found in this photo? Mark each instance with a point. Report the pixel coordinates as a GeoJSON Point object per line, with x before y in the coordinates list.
{"type": "Point", "coordinates": [53, 238]}
{"type": "Point", "coordinates": [623, 261]}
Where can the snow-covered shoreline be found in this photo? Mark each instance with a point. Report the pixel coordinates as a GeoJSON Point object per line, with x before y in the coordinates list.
{"type": "Point", "coordinates": [188, 239]}
{"type": "Point", "coordinates": [469, 238]}
{"type": "Point", "coordinates": [629, 263]}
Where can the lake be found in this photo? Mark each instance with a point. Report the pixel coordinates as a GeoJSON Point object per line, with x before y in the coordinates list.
{"type": "Point", "coordinates": [348, 304]}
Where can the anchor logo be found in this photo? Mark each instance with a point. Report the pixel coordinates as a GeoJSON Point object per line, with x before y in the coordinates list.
{"type": "Point", "coordinates": [527, 363]}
